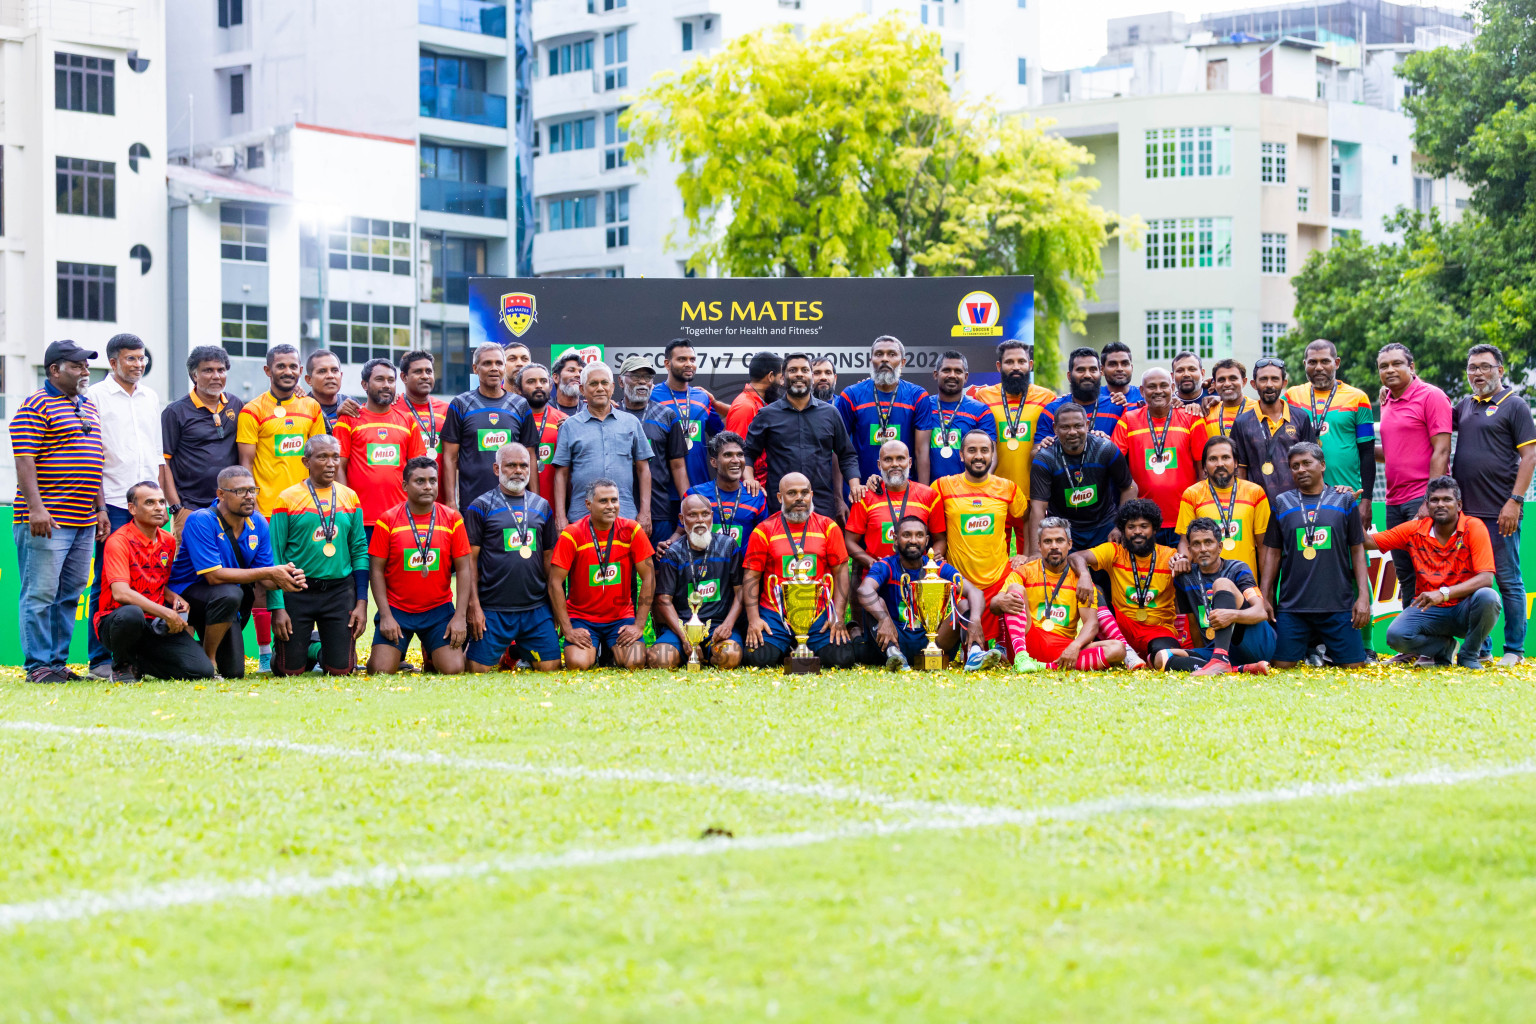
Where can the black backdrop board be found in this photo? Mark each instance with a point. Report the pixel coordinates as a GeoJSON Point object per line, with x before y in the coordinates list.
{"type": "Point", "coordinates": [730, 319]}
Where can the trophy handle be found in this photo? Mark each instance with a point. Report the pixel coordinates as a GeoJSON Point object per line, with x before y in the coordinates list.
{"type": "Point", "coordinates": [909, 597]}
{"type": "Point", "coordinates": [824, 595]}
{"type": "Point", "coordinates": [772, 581]}
{"type": "Point", "coordinates": [956, 592]}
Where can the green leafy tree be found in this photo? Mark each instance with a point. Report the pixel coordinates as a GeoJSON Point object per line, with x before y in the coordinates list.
{"type": "Point", "coordinates": [845, 154]}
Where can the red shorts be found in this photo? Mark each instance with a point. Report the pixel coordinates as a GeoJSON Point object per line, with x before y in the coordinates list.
{"type": "Point", "coordinates": [991, 624]}
{"type": "Point", "coordinates": [1139, 634]}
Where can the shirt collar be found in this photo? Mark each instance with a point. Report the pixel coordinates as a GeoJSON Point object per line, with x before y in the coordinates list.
{"type": "Point", "coordinates": [52, 391]}
{"type": "Point", "coordinates": [223, 401]}
{"type": "Point", "coordinates": [1427, 527]}
{"type": "Point", "coordinates": [585, 413]}
{"type": "Point", "coordinates": [1493, 398]}
{"type": "Point", "coordinates": [1285, 414]}
{"type": "Point", "coordinates": [1414, 388]}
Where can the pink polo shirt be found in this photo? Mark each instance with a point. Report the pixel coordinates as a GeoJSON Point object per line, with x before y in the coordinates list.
{"type": "Point", "coordinates": [1407, 424]}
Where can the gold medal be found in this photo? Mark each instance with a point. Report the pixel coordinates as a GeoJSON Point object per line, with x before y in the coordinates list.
{"type": "Point", "coordinates": [1269, 469]}
{"type": "Point", "coordinates": [1013, 444]}
{"type": "Point", "coordinates": [1229, 545]}
{"type": "Point", "coordinates": [1309, 552]}
{"type": "Point", "coordinates": [329, 549]}
{"type": "Point", "coordinates": [946, 451]}
{"type": "Point", "coordinates": [1210, 634]}
{"type": "Point", "coordinates": [279, 411]}
{"type": "Point", "coordinates": [526, 551]}
{"type": "Point", "coordinates": [1049, 625]}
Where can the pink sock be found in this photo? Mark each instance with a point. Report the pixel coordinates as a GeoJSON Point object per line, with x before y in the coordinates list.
{"type": "Point", "coordinates": [1091, 659]}
{"type": "Point", "coordinates": [1109, 629]}
{"type": "Point", "coordinates": [1017, 625]}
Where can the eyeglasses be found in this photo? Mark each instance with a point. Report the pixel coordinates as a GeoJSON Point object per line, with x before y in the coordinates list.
{"type": "Point", "coordinates": [239, 492]}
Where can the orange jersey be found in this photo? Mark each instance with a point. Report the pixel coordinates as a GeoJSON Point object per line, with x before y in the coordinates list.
{"type": "Point", "coordinates": [1153, 605]}
{"type": "Point", "coordinates": [976, 516]}
{"type": "Point", "coordinates": [1064, 611]}
{"type": "Point", "coordinates": [1249, 517]}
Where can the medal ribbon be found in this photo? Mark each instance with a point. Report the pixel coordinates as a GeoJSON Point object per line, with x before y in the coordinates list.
{"type": "Point", "coordinates": [906, 492]}
{"type": "Point", "coordinates": [1311, 517]}
{"type": "Point", "coordinates": [1159, 444]}
{"type": "Point", "coordinates": [602, 552]}
{"type": "Point", "coordinates": [1076, 473]}
{"type": "Point", "coordinates": [884, 411]}
{"type": "Point", "coordinates": [724, 517]}
{"type": "Point", "coordinates": [430, 427]}
{"type": "Point", "coordinates": [327, 522]}
{"type": "Point", "coordinates": [944, 423]}
{"type": "Point", "coordinates": [793, 547]}
{"type": "Point", "coordinates": [1013, 421]}
{"type": "Point", "coordinates": [1050, 602]}
{"type": "Point", "coordinates": [520, 521]}
{"type": "Point", "coordinates": [1316, 419]}
{"type": "Point", "coordinates": [683, 414]}
{"type": "Point", "coordinates": [423, 544]}
{"type": "Point", "coordinates": [1143, 588]}
{"type": "Point", "coordinates": [1227, 514]}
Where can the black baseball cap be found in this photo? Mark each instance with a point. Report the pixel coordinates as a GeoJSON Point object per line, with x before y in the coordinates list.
{"type": "Point", "coordinates": [66, 352]}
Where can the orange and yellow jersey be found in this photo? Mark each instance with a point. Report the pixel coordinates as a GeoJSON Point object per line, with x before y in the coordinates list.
{"type": "Point", "coordinates": [1038, 582]}
{"type": "Point", "coordinates": [1153, 604]}
{"type": "Point", "coordinates": [279, 430]}
{"type": "Point", "coordinates": [1249, 517]}
{"type": "Point", "coordinates": [976, 517]}
{"type": "Point", "coordinates": [1219, 419]}
{"type": "Point", "coordinates": [1013, 463]}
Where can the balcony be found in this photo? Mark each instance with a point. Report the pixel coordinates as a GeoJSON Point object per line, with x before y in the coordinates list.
{"type": "Point", "coordinates": [477, 16]}
{"type": "Point", "coordinates": [558, 95]}
{"type": "Point", "coordinates": [1346, 206]}
{"type": "Point", "coordinates": [471, 200]}
{"type": "Point", "coordinates": [455, 103]}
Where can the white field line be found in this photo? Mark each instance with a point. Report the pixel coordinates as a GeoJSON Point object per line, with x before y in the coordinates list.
{"type": "Point", "coordinates": [205, 892]}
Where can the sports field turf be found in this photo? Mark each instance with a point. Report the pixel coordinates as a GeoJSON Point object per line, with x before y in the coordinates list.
{"type": "Point", "coordinates": [1307, 846]}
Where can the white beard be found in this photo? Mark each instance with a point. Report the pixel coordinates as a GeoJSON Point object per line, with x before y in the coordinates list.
{"type": "Point", "coordinates": [514, 487]}
{"type": "Point", "coordinates": [570, 390]}
{"type": "Point", "coordinates": [798, 516]}
{"type": "Point", "coordinates": [895, 481]}
{"type": "Point", "coordinates": [885, 377]}
{"type": "Point", "coordinates": [699, 539]}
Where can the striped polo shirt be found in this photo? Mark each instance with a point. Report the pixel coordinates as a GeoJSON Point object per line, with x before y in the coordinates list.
{"type": "Point", "coordinates": [63, 436]}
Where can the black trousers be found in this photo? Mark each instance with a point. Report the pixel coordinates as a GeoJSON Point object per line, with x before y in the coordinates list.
{"type": "Point", "coordinates": [325, 605]}
{"type": "Point", "coordinates": [126, 632]}
{"type": "Point", "coordinates": [212, 604]}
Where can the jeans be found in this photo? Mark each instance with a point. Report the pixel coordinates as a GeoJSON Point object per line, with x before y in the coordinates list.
{"type": "Point", "coordinates": [1506, 568]}
{"type": "Point", "coordinates": [54, 571]}
{"type": "Point", "coordinates": [119, 517]}
{"type": "Point", "coordinates": [1433, 632]}
{"type": "Point", "coordinates": [1402, 561]}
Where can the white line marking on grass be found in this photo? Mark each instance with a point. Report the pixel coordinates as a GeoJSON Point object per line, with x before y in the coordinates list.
{"type": "Point", "coordinates": [205, 892]}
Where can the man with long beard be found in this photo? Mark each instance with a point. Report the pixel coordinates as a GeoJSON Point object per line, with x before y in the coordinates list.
{"type": "Point", "coordinates": [1163, 443]}
{"type": "Point", "coordinates": [883, 407]}
{"type": "Point", "coordinates": [899, 638]}
{"type": "Point", "coordinates": [533, 383]}
{"type": "Point", "coordinates": [1239, 507]}
{"type": "Point", "coordinates": [1084, 390]}
{"type": "Point", "coordinates": [1141, 573]}
{"type": "Point", "coordinates": [957, 414]}
{"type": "Point", "coordinates": [871, 533]}
{"type": "Point", "coordinates": [1227, 617]}
{"type": "Point", "coordinates": [1046, 620]}
{"type": "Point", "coordinates": [707, 564]}
{"type": "Point", "coordinates": [1263, 436]}
{"type": "Point", "coordinates": [1017, 407]}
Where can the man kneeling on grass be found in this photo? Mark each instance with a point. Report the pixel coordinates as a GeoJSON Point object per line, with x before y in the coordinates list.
{"type": "Point", "coordinates": [416, 549]}
{"type": "Point", "coordinates": [706, 563]}
{"type": "Point", "coordinates": [1227, 617]}
{"type": "Point", "coordinates": [599, 555]}
{"type": "Point", "coordinates": [1046, 617]}
{"type": "Point", "coordinates": [900, 639]}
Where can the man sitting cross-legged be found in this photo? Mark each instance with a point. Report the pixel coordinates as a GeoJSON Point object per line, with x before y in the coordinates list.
{"type": "Point", "coordinates": [1040, 609]}
{"type": "Point", "coordinates": [1226, 611]}
{"type": "Point", "coordinates": [708, 564]}
{"type": "Point", "coordinates": [896, 643]}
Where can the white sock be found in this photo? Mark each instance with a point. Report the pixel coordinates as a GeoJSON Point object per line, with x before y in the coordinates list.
{"type": "Point", "coordinates": [263, 648]}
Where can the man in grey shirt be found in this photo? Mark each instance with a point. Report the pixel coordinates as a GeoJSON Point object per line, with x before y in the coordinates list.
{"type": "Point", "coordinates": [601, 441]}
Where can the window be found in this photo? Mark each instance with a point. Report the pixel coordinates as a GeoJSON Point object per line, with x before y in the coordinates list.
{"type": "Point", "coordinates": [141, 253]}
{"type": "Point", "coordinates": [1023, 71]}
{"type": "Point", "coordinates": [453, 163]}
{"type": "Point", "coordinates": [87, 291]}
{"type": "Point", "coordinates": [243, 233]}
{"type": "Point", "coordinates": [1303, 198]}
{"type": "Point", "coordinates": [361, 243]}
{"type": "Point", "coordinates": [360, 331]}
{"type": "Point", "coordinates": [231, 12]}
{"type": "Point", "coordinates": [616, 59]}
{"type": "Point", "coordinates": [614, 138]}
{"type": "Point", "coordinates": [454, 260]}
{"type": "Point", "coordinates": [565, 136]}
{"type": "Point", "coordinates": [1189, 242]}
{"type": "Point", "coordinates": [569, 57]}
{"type": "Point", "coordinates": [244, 330]}
{"type": "Point", "coordinates": [237, 94]}
{"type": "Point", "coordinates": [449, 345]}
{"type": "Point", "coordinates": [957, 52]}
{"type": "Point", "coordinates": [461, 72]}
{"type": "Point", "coordinates": [608, 272]}
{"type": "Point", "coordinates": [1269, 337]}
{"type": "Point", "coordinates": [1188, 152]}
{"type": "Point", "coordinates": [1272, 163]}
{"type": "Point", "coordinates": [572, 213]}
{"type": "Point", "coordinates": [609, 5]}
{"type": "Point", "coordinates": [1271, 253]}
{"type": "Point", "coordinates": [687, 36]}
{"type": "Point", "coordinates": [255, 157]}
{"type": "Point", "coordinates": [616, 217]}
{"type": "Point", "coordinates": [83, 83]}
{"type": "Point", "coordinates": [136, 152]}
{"type": "Point", "coordinates": [1423, 194]}
{"type": "Point", "coordinates": [1205, 331]}
{"type": "Point", "coordinates": [85, 187]}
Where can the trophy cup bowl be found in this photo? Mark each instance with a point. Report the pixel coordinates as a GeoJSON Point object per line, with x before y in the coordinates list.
{"type": "Point", "coordinates": [695, 631]}
{"type": "Point", "coordinates": [801, 600]}
{"type": "Point", "coordinates": [929, 600]}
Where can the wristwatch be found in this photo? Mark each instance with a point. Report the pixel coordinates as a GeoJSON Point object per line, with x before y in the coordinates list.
{"type": "Point", "coordinates": [173, 509]}
{"type": "Point", "coordinates": [1445, 593]}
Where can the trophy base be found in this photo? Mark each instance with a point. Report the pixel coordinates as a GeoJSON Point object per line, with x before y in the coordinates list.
{"type": "Point", "coordinates": [935, 662]}
{"type": "Point", "coordinates": [796, 666]}
{"type": "Point", "coordinates": [692, 666]}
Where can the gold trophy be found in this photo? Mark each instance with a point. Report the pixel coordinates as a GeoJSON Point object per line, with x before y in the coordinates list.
{"type": "Point", "coordinates": [930, 600]}
{"type": "Point", "coordinates": [801, 600]}
{"type": "Point", "coordinates": [695, 630]}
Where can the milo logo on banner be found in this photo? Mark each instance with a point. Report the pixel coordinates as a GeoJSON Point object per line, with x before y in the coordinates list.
{"type": "Point", "coordinates": [1322, 537]}
{"type": "Point", "coordinates": [493, 440]}
{"type": "Point", "coordinates": [546, 452]}
{"type": "Point", "coordinates": [1078, 497]}
{"type": "Point", "coordinates": [509, 541]}
{"type": "Point", "coordinates": [709, 590]}
{"type": "Point", "coordinates": [383, 455]}
{"type": "Point", "coordinates": [414, 562]}
{"type": "Point", "coordinates": [603, 575]}
{"type": "Point", "coordinates": [878, 435]}
{"type": "Point", "coordinates": [287, 446]}
{"type": "Point", "coordinates": [977, 525]}
{"type": "Point", "coordinates": [793, 566]}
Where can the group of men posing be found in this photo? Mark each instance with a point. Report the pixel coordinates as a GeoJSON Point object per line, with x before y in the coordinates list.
{"type": "Point", "coordinates": [545, 516]}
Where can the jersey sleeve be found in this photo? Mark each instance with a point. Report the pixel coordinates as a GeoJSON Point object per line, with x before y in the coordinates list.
{"type": "Point", "coordinates": [565, 552]}
{"type": "Point", "coordinates": [1521, 425]}
{"type": "Point", "coordinates": [458, 540]}
{"type": "Point", "coordinates": [837, 548]}
{"type": "Point", "coordinates": [936, 521]}
{"type": "Point", "coordinates": [378, 542]}
{"type": "Point", "coordinates": [343, 435]}
{"type": "Point", "coordinates": [1479, 546]}
{"type": "Point", "coordinates": [880, 572]}
{"type": "Point", "coordinates": [1104, 554]}
{"type": "Point", "coordinates": [926, 415]}
{"type": "Point", "coordinates": [1198, 434]}
{"type": "Point", "coordinates": [474, 527]}
{"type": "Point", "coordinates": [1186, 513]}
{"type": "Point", "coordinates": [738, 418]}
{"type": "Point", "coordinates": [987, 423]}
{"type": "Point", "coordinates": [858, 519]}
{"type": "Point", "coordinates": [1121, 437]}
{"type": "Point", "coordinates": [1018, 503]}
{"type": "Point", "coordinates": [1353, 529]}
{"type": "Point", "coordinates": [844, 409]}
{"type": "Point", "coordinates": [528, 431]}
{"type": "Point", "coordinates": [1272, 535]}
{"type": "Point", "coordinates": [1397, 538]}
{"type": "Point", "coordinates": [317, 425]}
{"type": "Point", "coordinates": [1045, 426]}
{"type": "Point", "coordinates": [114, 561]}
{"type": "Point", "coordinates": [415, 442]}
{"type": "Point", "coordinates": [1242, 577]}
{"type": "Point", "coordinates": [1438, 415]}
{"type": "Point", "coordinates": [677, 441]}
{"type": "Point", "coordinates": [548, 538]}
{"type": "Point", "coordinates": [756, 558]}
{"type": "Point", "coordinates": [1041, 476]}
{"type": "Point", "coordinates": [1261, 516]}
{"type": "Point", "coordinates": [1365, 421]}
{"type": "Point", "coordinates": [453, 425]}
{"type": "Point", "coordinates": [640, 546]}
{"type": "Point", "coordinates": [170, 431]}
{"type": "Point", "coordinates": [247, 430]}
{"type": "Point", "coordinates": [1119, 471]}
{"type": "Point", "coordinates": [666, 574]}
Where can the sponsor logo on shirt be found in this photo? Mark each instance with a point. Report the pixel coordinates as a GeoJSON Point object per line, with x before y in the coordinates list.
{"type": "Point", "coordinates": [413, 559]}
{"type": "Point", "coordinates": [603, 575]}
{"type": "Point", "coordinates": [734, 529]}
{"type": "Point", "coordinates": [695, 430]}
{"type": "Point", "coordinates": [1058, 613]}
{"type": "Point", "coordinates": [879, 435]}
{"type": "Point", "coordinates": [492, 440]}
{"type": "Point", "coordinates": [1078, 497]}
{"type": "Point", "coordinates": [286, 446]}
{"type": "Point", "coordinates": [1170, 459]}
{"type": "Point", "coordinates": [793, 566]}
{"type": "Point", "coordinates": [383, 455]}
{"type": "Point", "coordinates": [1322, 537]}
{"type": "Point", "coordinates": [977, 524]}
{"type": "Point", "coordinates": [546, 452]}
{"type": "Point", "coordinates": [942, 438]}
{"type": "Point", "coordinates": [709, 590]}
{"type": "Point", "coordinates": [510, 542]}
{"type": "Point", "coordinates": [887, 533]}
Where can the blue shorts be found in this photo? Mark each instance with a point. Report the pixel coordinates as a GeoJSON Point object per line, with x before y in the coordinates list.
{"type": "Point", "coordinates": [533, 631]}
{"type": "Point", "coordinates": [604, 634]}
{"type": "Point", "coordinates": [777, 634]}
{"type": "Point", "coordinates": [671, 639]}
{"type": "Point", "coordinates": [430, 626]}
{"type": "Point", "coordinates": [1297, 632]}
{"type": "Point", "coordinates": [1249, 644]}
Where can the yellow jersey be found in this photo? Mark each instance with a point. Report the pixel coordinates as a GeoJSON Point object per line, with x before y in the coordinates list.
{"type": "Point", "coordinates": [1013, 463]}
{"type": "Point", "coordinates": [1249, 516]}
{"type": "Point", "coordinates": [1219, 418]}
{"type": "Point", "coordinates": [1038, 582]}
{"type": "Point", "coordinates": [279, 430]}
{"type": "Point", "coordinates": [976, 516]}
{"type": "Point", "coordinates": [1151, 606]}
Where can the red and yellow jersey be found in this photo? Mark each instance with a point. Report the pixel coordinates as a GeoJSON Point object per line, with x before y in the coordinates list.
{"type": "Point", "coordinates": [1219, 419]}
{"type": "Point", "coordinates": [279, 431]}
{"type": "Point", "coordinates": [430, 419]}
{"type": "Point", "coordinates": [375, 448]}
{"type": "Point", "coordinates": [976, 516]}
{"type": "Point", "coordinates": [1162, 479]}
{"type": "Point", "coordinates": [1250, 516]}
{"type": "Point", "coordinates": [1013, 463]}
{"type": "Point", "coordinates": [547, 422]}
{"type": "Point", "coordinates": [1064, 611]}
{"type": "Point", "coordinates": [873, 519]}
{"type": "Point", "coordinates": [1155, 605]}
{"type": "Point", "coordinates": [770, 552]}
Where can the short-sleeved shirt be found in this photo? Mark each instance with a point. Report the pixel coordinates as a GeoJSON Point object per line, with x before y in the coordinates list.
{"type": "Point", "coordinates": [1247, 509]}
{"type": "Point", "coordinates": [63, 436]}
{"type": "Point", "coordinates": [817, 549]}
{"type": "Point", "coordinates": [952, 421]}
{"type": "Point", "coordinates": [736, 512]}
{"type": "Point", "coordinates": [873, 417]}
{"type": "Point", "coordinates": [668, 437]}
{"type": "Point", "coordinates": [144, 563]}
{"type": "Point", "coordinates": [206, 546]}
{"type": "Point", "coordinates": [1325, 583]}
{"type": "Point", "coordinates": [1261, 443]}
{"type": "Point", "coordinates": [430, 419]}
{"type": "Point", "coordinates": [1038, 583]}
{"type": "Point", "coordinates": [377, 446]}
{"type": "Point", "coordinates": [696, 408]}
{"type": "Point", "coordinates": [594, 448]}
{"type": "Point", "coordinates": [1342, 425]}
{"type": "Point", "coordinates": [1195, 595]}
{"type": "Point", "coordinates": [977, 516]}
{"type": "Point", "coordinates": [1104, 415]}
{"type": "Point", "coordinates": [887, 572]}
{"type": "Point", "coordinates": [279, 439]}
{"type": "Point", "coordinates": [501, 526]}
{"type": "Point", "coordinates": [1487, 456]}
{"type": "Point", "coordinates": [1151, 604]}
{"type": "Point", "coordinates": [298, 535]}
{"type": "Point", "coordinates": [738, 420]}
{"type": "Point", "coordinates": [131, 435]}
{"type": "Point", "coordinates": [714, 573]}
{"type": "Point", "coordinates": [199, 444]}
{"type": "Point", "coordinates": [1467, 553]}
{"type": "Point", "coordinates": [1219, 419]}
{"type": "Point", "coordinates": [601, 590]}
{"type": "Point", "coordinates": [873, 519]}
{"type": "Point", "coordinates": [1014, 463]}
{"type": "Point", "coordinates": [416, 580]}
{"type": "Point", "coordinates": [332, 410]}
{"type": "Point", "coordinates": [546, 427]}
{"type": "Point", "coordinates": [1183, 436]}
{"type": "Point", "coordinates": [481, 427]}
{"type": "Point", "coordinates": [812, 441]}
{"type": "Point", "coordinates": [1407, 426]}
{"type": "Point", "coordinates": [1085, 490]}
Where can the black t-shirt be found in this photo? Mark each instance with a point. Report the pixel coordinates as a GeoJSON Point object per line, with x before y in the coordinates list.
{"type": "Point", "coordinates": [1487, 449]}
{"type": "Point", "coordinates": [1194, 588]}
{"type": "Point", "coordinates": [665, 430]}
{"type": "Point", "coordinates": [1086, 491]}
{"type": "Point", "coordinates": [509, 582]}
{"type": "Point", "coordinates": [716, 571]}
{"type": "Point", "coordinates": [480, 426]}
{"type": "Point", "coordinates": [200, 447]}
{"type": "Point", "coordinates": [1325, 583]}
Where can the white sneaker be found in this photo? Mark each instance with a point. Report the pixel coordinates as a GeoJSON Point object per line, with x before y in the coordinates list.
{"type": "Point", "coordinates": [1511, 660]}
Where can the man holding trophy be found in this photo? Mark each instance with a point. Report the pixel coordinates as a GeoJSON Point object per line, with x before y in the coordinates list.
{"type": "Point", "coordinates": [699, 575]}
{"type": "Point", "coordinates": [915, 607]}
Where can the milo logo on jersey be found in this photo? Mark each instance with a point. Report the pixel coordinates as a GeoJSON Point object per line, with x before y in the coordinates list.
{"type": "Point", "coordinates": [383, 455]}
{"type": "Point", "coordinates": [878, 435]}
{"type": "Point", "coordinates": [1234, 529]}
{"type": "Point", "coordinates": [494, 439]}
{"type": "Point", "coordinates": [977, 524]}
{"type": "Point", "coordinates": [943, 438]}
{"type": "Point", "coordinates": [604, 575]}
{"type": "Point", "coordinates": [707, 590]}
{"type": "Point", "coordinates": [695, 430]}
{"type": "Point", "coordinates": [511, 542]}
{"type": "Point", "coordinates": [1322, 537]}
{"type": "Point", "coordinates": [734, 529]}
{"type": "Point", "coordinates": [1130, 595]}
{"type": "Point", "coordinates": [1168, 460]}
{"type": "Point", "coordinates": [1079, 497]}
{"type": "Point", "coordinates": [415, 562]}
{"type": "Point", "coordinates": [796, 565]}
{"type": "Point", "coordinates": [888, 533]}
{"type": "Point", "coordinates": [287, 446]}
{"type": "Point", "coordinates": [1019, 433]}
{"type": "Point", "coordinates": [1057, 613]}
{"type": "Point", "coordinates": [546, 452]}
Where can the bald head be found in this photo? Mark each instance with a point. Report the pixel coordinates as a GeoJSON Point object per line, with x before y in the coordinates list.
{"type": "Point", "coordinates": [507, 452]}
{"type": "Point", "coordinates": [795, 497]}
{"type": "Point", "coordinates": [895, 464]}
{"type": "Point", "coordinates": [1157, 389]}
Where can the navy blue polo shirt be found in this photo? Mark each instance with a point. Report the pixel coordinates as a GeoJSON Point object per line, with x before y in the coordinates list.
{"type": "Point", "coordinates": [205, 546]}
{"type": "Point", "coordinates": [906, 410]}
{"type": "Point", "coordinates": [736, 512]}
{"type": "Point", "coordinates": [1084, 491]}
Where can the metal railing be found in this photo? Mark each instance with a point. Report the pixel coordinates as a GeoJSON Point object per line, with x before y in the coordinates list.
{"type": "Point", "coordinates": [477, 16]}
{"type": "Point", "coordinates": [473, 200]}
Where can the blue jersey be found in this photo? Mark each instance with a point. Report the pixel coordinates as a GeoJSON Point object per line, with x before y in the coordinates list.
{"type": "Point", "coordinates": [873, 418]}
{"type": "Point", "coordinates": [700, 423]}
{"type": "Point", "coordinates": [887, 574]}
{"type": "Point", "coordinates": [206, 545]}
{"type": "Point", "coordinates": [736, 512]}
{"type": "Point", "coordinates": [952, 421]}
{"type": "Point", "coordinates": [1104, 416]}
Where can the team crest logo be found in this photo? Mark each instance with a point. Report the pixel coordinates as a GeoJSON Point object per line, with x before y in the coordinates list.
{"type": "Point", "coordinates": [494, 417]}
{"type": "Point", "coordinates": [165, 559]}
{"type": "Point", "coordinates": [518, 312]}
{"type": "Point", "coordinates": [383, 433]}
{"type": "Point", "coordinates": [979, 314]}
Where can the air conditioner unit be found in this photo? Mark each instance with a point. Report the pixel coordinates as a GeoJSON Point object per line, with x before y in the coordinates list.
{"type": "Point", "coordinates": [223, 156]}
{"type": "Point", "coordinates": [310, 329]}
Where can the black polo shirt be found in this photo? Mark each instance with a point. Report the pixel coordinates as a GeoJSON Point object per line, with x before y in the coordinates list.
{"type": "Point", "coordinates": [499, 525]}
{"type": "Point", "coordinates": [1488, 449]}
{"type": "Point", "coordinates": [1085, 491]}
{"type": "Point", "coordinates": [715, 572]}
{"type": "Point", "coordinates": [1326, 582]}
{"type": "Point", "coordinates": [812, 441]}
{"type": "Point", "coordinates": [1255, 446]}
{"type": "Point", "coordinates": [199, 443]}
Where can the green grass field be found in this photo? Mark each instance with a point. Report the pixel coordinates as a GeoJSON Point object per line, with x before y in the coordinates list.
{"type": "Point", "coordinates": [1311, 846]}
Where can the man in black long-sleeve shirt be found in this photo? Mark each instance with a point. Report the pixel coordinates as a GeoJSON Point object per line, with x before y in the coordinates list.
{"type": "Point", "coordinates": [802, 434]}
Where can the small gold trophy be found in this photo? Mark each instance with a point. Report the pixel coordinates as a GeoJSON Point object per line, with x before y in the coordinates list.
{"type": "Point", "coordinates": [930, 600]}
{"type": "Point", "coordinates": [695, 630]}
{"type": "Point", "coordinates": [801, 601]}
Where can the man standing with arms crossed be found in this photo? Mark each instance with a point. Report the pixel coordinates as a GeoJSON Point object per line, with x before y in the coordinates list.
{"type": "Point", "coordinates": [695, 407]}
{"type": "Point", "coordinates": [883, 407]}
{"type": "Point", "coordinates": [1017, 407]}
{"type": "Point", "coordinates": [478, 423]}
{"type": "Point", "coordinates": [377, 443]}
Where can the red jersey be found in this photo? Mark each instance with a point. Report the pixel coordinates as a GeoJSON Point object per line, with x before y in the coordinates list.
{"type": "Point", "coordinates": [376, 447]}
{"type": "Point", "coordinates": [873, 520]}
{"type": "Point", "coordinates": [142, 563]}
{"type": "Point", "coordinates": [1183, 447]}
{"type": "Point", "coordinates": [547, 422]}
{"type": "Point", "coordinates": [770, 552]}
{"type": "Point", "coordinates": [601, 590]}
{"type": "Point", "coordinates": [417, 582]}
{"type": "Point", "coordinates": [430, 419]}
{"type": "Point", "coordinates": [738, 420]}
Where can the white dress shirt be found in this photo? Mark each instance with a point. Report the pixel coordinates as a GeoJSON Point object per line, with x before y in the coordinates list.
{"type": "Point", "coordinates": [130, 432]}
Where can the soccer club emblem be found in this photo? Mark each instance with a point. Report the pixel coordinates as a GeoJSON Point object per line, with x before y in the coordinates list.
{"type": "Point", "coordinates": [383, 433]}
{"type": "Point", "coordinates": [518, 312]}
